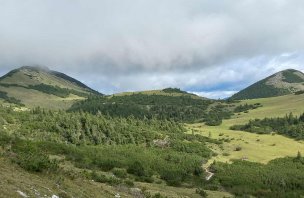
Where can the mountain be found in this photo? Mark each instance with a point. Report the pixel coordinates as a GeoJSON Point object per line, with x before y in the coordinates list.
{"type": "Point", "coordinates": [162, 92]}
{"type": "Point", "coordinates": [169, 103]}
{"type": "Point", "coordinates": [40, 86]}
{"type": "Point", "coordinates": [281, 83]}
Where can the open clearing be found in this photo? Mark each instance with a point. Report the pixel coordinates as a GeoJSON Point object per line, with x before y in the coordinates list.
{"type": "Point", "coordinates": [255, 147]}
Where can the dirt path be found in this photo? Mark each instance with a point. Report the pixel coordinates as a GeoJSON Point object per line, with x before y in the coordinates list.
{"type": "Point", "coordinates": [209, 174]}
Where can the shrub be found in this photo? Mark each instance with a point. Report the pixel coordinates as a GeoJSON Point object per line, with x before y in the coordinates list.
{"type": "Point", "coordinates": [99, 177]}
{"type": "Point", "coordinates": [173, 177]}
{"type": "Point", "coordinates": [35, 161]}
{"type": "Point", "coordinates": [118, 172]}
{"type": "Point", "coordinates": [238, 148]}
{"type": "Point", "coordinates": [201, 192]}
{"type": "Point", "coordinates": [129, 183]}
{"type": "Point", "coordinates": [136, 169]}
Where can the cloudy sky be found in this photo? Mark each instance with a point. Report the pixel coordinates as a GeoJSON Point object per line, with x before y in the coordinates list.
{"type": "Point", "coordinates": [213, 48]}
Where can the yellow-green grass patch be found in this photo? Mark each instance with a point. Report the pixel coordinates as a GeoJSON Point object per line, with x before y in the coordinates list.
{"type": "Point", "coordinates": [255, 147]}
{"type": "Point", "coordinates": [272, 107]}
{"type": "Point", "coordinates": [33, 98]}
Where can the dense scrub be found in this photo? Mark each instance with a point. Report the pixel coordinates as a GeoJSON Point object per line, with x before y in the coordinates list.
{"type": "Point", "coordinates": [246, 107]}
{"type": "Point", "coordinates": [56, 90]}
{"type": "Point", "coordinates": [279, 178]}
{"type": "Point", "coordinates": [290, 125]}
{"type": "Point", "coordinates": [216, 115]}
{"type": "Point", "coordinates": [299, 92]}
{"type": "Point", "coordinates": [103, 143]}
{"type": "Point", "coordinates": [85, 128]}
{"type": "Point", "coordinates": [178, 108]}
{"type": "Point", "coordinates": [174, 167]}
{"type": "Point", "coordinates": [174, 90]}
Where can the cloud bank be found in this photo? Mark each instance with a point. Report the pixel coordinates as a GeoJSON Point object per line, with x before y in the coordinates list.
{"type": "Point", "coordinates": [198, 45]}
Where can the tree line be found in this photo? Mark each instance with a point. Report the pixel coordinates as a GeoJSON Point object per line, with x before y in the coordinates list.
{"type": "Point", "coordinates": [290, 126]}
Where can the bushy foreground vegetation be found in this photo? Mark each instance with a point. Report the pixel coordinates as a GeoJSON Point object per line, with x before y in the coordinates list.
{"type": "Point", "coordinates": [132, 161]}
{"type": "Point", "coordinates": [290, 125]}
{"type": "Point", "coordinates": [279, 178]}
{"type": "Point", "coordinates": [101, 143]}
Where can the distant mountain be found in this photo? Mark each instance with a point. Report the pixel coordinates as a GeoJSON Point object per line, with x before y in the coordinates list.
{"type": "Point", "coordinates": [281, 83]}
{"type": "Point", "coordinates": [163, 92]}
{"type": "Point", "coordinates": [169, 103]}
{"type": "Point", "coordinates": [39, 86]}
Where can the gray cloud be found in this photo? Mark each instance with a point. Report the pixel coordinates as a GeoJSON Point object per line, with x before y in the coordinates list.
{"type": "Point", "coordinates": [135, 44]}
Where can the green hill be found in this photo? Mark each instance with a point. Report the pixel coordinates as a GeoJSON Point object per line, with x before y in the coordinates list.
{"type": "Point", "coordinates": [170, 103]}
{"type": "Point", "coordinates": [163, 92]}
{"type": "Point", "coordinates": [37, 86]}
{"type": "Point", "coordinates": [278, 84]}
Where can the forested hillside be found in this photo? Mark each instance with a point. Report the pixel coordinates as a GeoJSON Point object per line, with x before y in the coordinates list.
{"type": "Point", "coordinates": [183, 108]}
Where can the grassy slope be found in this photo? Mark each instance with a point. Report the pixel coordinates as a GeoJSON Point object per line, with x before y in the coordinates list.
{"type": "Point", "coordinates": [281, 83]}
{"type": "Point", "coordinates": [13, 179]}
{"type": "Point", "coordinates": [257, 148]}
{"type": "Point", "coordinates": [32, 98]}
{"type": "Point", "coordinates": [272, 107]}
{"type": "Point", "coordinates": [37, 77]}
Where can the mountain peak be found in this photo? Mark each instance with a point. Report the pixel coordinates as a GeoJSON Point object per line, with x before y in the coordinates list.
{"type": "Point", "coordinates": [281, 83]}
{"type": "Point", "coordinates": [40, 86]}
{"type": "Point", "coordinates": [43, 68]}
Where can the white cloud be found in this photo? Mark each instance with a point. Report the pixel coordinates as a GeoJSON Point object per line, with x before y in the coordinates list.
{"type": "Point", "coordinates": [216, 94]}
{"type": "Point", "coordinates": [135, 44]}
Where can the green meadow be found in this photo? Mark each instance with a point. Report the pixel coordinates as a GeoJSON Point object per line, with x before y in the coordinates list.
{"type": "Point", "coordinates": [254, 147]}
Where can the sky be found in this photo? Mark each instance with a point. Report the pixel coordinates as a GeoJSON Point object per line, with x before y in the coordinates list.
{"type": "Point", "coordinates": [211, 48]}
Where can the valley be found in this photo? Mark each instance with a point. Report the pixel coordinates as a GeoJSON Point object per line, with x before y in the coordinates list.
{"type": "Point", "coordinates": [60, 138]}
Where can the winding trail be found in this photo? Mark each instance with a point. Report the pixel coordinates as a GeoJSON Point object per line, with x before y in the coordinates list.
{"type": "Point", "coordinates": [209, 174]}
